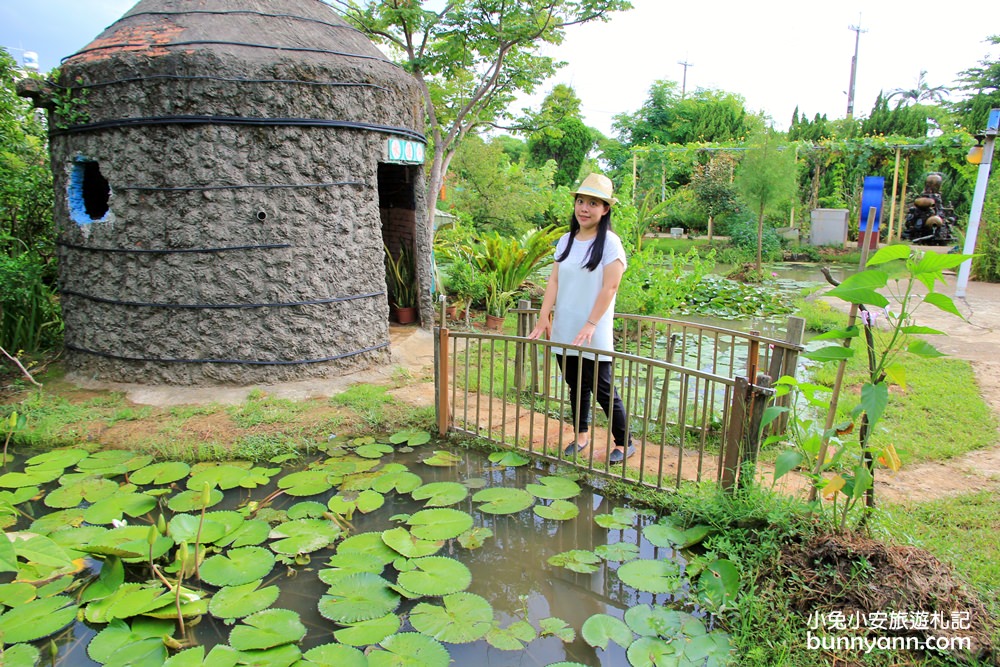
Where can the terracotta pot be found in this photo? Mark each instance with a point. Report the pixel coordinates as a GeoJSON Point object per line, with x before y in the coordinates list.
{"type": "Point", "coordinates": [406, 315]}
{"type": "Point", "coordinates": [494, 323]}
{"type": "Point", "coordinates": [450, 312]}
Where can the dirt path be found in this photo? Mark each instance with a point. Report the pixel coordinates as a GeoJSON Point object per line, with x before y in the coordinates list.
{"type": "Point", "coordinates": [977, 340]}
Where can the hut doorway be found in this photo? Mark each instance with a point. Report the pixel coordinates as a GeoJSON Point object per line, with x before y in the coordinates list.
{"type": "Point", "coordinates": [397, 204]}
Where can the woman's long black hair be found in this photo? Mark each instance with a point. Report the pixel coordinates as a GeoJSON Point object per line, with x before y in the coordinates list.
{"type": "Point", "coordinates": [597, 249]}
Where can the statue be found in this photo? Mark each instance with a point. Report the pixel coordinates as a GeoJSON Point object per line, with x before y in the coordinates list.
{"type": "Point", "coordinates": [929, 221]}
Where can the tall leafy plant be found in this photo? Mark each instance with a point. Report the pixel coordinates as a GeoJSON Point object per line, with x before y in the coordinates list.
{"type": "Point", "coordinates": [898, 270]}
{"type": "Point", "coordinates": [401, 275]}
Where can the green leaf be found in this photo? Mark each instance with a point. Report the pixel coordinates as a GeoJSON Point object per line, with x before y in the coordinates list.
{"type": "Point", "coordinates": [242, 600]}
{"type": "Point", "coordinates": [110, 579]}
{"type": "Point", "coordinates": [190, 501]}
{"type": "Point", "coordinates": [375, 450]}
{"type": "Point", "coordinates": [442, 459]}
{"type": "Point", "coordinates": [554, 488]}
{"type": "Point", "coordinates": [464, 618]}
{"type": "Point", "coordinates": [509, 459]}
{"type": "Point", "coordinates": [577, 560]}
{"type": "Point", "coordinates": [439, 524]}
{"type": "Point", "coordinates": [37, 619]}
{"type": "Point", "coordinates": [115, 507]}
{"type": "Point", "coordinates": [40, 549]}
{"type": "Point", "coordinates": [786, 462]}
{"type": "Point", "coordinates": [500, 500]}
{"type": "Point", "coordinates": [436, 575]}
{"type": "Point", "coordinates": [599, 629]}
{"type": "Point", "coordinates": [89, 488]}
{"type": "Point", "coordinates": [874, 399]}
{"type": "Point", "coordinates": [934, 262]}
{"type": "Point", "coordinates": [922, 348]}
{"type": "Point", "coordinates": [367, 543]}
{"type": "Point", "coordinates": [362, 596]}
{"type": "Point", "coordinates": [860, 288]}
{"type": "Point", "coordinates": [408, 545]}
{"type": "Point", "coordinates": [306, 483]}
{"type": "Point", "coordinates": [712, 649]}
{"type": "Point", "coordinates": [896, 374]}
{"type": "Point", "coordinates": [556, 627]}
{"type": "Point", "coordinates": [409, 649]}
{"type": "Point", "coordinates": [558, 510]}
{"type": "Point", "coordinates": [511, 638]}
{"type": "Point", "coordinates": [617, 552]}
{"type": "Point", "coordinates": [475, 537]}
{"type": "Point", "coordinates": [131, 599]}
{"type": "Point", "coordinates": [943, 302]}
{"type": "Point", "coordinates": [889, 253]}
{"type": "Point", "coordinates": [653, 652]}
{"type": "Point", "coordinates": [303, 536]}
{"type": "Point", "coordinates": [652, 576]}
{"type": "Point", "coordinates": [863, 481]}
{"type": "Point", "coordinates": [440, 494]}
{"type": "Point", "coordinates": [21, 655]}
{"type": "Point", "coordinates": [849, 332]}
{"type": "Point", "coordinates": [621, 518]}
{"type": "Point", "coordinates": [830, 353]}
{"type": "Point", "coordinates": [32, 477]}
{"type": "Point", "coordinates": [161, 473]}
{"type": "Point", "coordinates": [660, 621]}
{"type": "Point", "coordinates": [915, 329]}
{"type": "Point", "coordinates": [15, 594]}
{"type": "Point", "coordinates": [266, 629]}
{"type": "Point", "coordinates": [370, 632]}
{"type": "Point", "coordinates": [237, 566]}
{"type": "Point", "coordinates": [185, 528]}
{"type": "Point", "coordinates": [402, 481]}
{"type": "Point", "coordinates": [223, 477]}
{"type": "Point", "coordinates": [369, 501]}
{"type": "Point", "coordinates": [336, 655]}
{"type": "Point", "coordinates": [118, 635]}
{"type": "Point", "coordinates": [720, 582]}
{"type": "Point", "coordinates": [412, 437]}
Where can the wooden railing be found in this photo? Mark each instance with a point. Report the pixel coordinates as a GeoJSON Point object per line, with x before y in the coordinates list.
{"type": "Point", "coordinates": [694, 413]}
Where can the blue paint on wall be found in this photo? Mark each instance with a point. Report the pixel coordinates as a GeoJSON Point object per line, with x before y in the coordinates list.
{"type": "Point", "coordinates": [87, 186]}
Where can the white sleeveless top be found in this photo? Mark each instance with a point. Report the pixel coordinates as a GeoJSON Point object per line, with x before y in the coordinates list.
{"type": "Point", "coordinates": [577, 293]}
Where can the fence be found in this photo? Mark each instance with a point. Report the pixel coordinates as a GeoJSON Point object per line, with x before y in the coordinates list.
{"type": "Point", "coordinates": [693, 412]}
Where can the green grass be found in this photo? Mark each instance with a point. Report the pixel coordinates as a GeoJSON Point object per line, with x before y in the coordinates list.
{"type": "Point", "coordinates": [820, 316]}
{"type": "Point", "coordinates": [922, 422]}
{"type": "Point", "coordinates": [678, 246]}
{"type": "Point", "coordinates": [368, 400]}
{"type": "Point", "coordinates": [262, 409]}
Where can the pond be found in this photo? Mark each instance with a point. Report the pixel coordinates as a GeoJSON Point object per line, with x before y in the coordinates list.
{"type": "Point", "coordinates": [391, 551]}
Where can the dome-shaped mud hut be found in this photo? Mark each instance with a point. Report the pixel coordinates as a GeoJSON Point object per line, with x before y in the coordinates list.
{"type": "Point", "coordinates": [228, 175]}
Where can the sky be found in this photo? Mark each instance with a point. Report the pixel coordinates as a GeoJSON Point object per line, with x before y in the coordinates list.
{"type": "Point", "coordinates": [777, 54]}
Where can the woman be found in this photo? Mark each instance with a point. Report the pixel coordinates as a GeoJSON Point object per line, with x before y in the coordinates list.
{"type": "Point", "coordinates": [578, 309]}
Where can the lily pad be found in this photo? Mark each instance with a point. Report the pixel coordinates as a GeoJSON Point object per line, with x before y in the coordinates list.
{"type": "Point", "coordinates": [336, 655]}
{"type": "Point", "coordinates": [621, 518]}
{"type": "Point", "coordinates": [442, 459]}
{"type": "Point", "coordinates": [577, 560]}
{"type": "Point", "coordinates": [306, 509]}
{"type": "Point", "coordinates": [30, 477]}
{"type": "Point", "coordinates": [237, 566]}
{"type": "Point", "coordinates": [599, 629]}
{"type": "Point", "coordinates": [558, 510]}
{"type": "Point", "coordinates": [509, 459]}
{"type": "Point", "coordinates": [720, 583]}
{"type": "Point", "coordinates": [511, 638]}
{"type": "Point", "coordinates": [658, 621]}
{"type": "Point", "coordinates": [439, 524]}
{"type": "Point", "coordinates": [653, 652]}
{"type": "Point", "coordinates": [556, 627]}
{"type": "Point", "coordinates": [21, 655]}
{"type": "Point", "coordinates": [57, 458]}
{"type": "Point", "coordinates": [118, 635]}
{"type": "Point", "coordinates": [161, 473]}
{"type": "Point", "coordinates": [441, 494]}
{"type": "Point", "coordinates": [464, 618]}
{"type": "Point", "coordinates": [243, 600]}
{"type": "Point", "coordinates": [267, 629]}
{"type": "Point", "coordinates": [190, 501]}
{"type": "Point", "coordinates": [368, 543]}
{"type": "Point", "coordinates": [665, 534]}
{"type": "Point", "coordinates": [129, 542]}
{"type": "Point", "coordinates": [189, 527]}
{"type": "Point", "coordinates": [412, 437]}
{"type": "Point", "coordinates": [113, 508]}
{"type": "Point", "coordinates": [375, 450]}
{"type": "Point", "coordinates": [368, 501]}
{"type": "Point", "coordinates": [358, 597]}
{"type": "Point", "coordinates": [713, 649]}
{"type": "Point", "coordinates": [554, 488]}
{"type": "Point", "coordinates": [16, 593]}
{"type": "Point", "coordinates": [111, 462]}
{"type": "Point", "coordinates": [131, 599]}
{"type": "Point", "coordinates": [248, 533]}
{"type": "Point", "coordinates": [436, 575]}
{"type": "Point", "coordinates": [90, 488]}
{"type": "Point", "coordinates": [366, 633]}
{"type": "Point", "coordinates": [652, 576]}
{"type": "Point", "coordinates": [475, 537]}
{"type": "Point", "coordinates": [37, 619]}
{"type": "Point", "coordinates": [354, 562]}
{"type": "Point", "coordinates": [408, 545]}
{"type": "Point", "coordinates": [409, 649]}
{"type": "Point", "coordinates": [617, 552]}
{"type": "Point", "coordinates": [303, 536]}
{"type": "Point", "coordinates": [500, 500]}
{"type": "Point", "coordinates": [306, 483]}
{"type": "Point", "coordinates": [110, 579]}
{"type": "Point", "coordinates": [223, 477]}
{"type": "Point", "coordinates": [400, 481]}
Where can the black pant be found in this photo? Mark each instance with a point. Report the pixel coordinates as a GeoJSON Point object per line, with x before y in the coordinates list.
{"type": "Point", "coordinates": [580, 378]}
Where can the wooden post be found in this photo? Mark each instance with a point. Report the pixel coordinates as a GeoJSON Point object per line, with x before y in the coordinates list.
{"type": "Point", "coordinates": [521, 348]}
{"type": "Point", "coordinates": [734, 435]}
{"type": "Point", "coordinates": [759, 394]}
{"type": "Point", "coordinates": [892, 206]}
{"type": "Point", "coordinates": [902, 197]}
{"type": "Point", "coordinates": [784, 362]}
{"type": "Point", "coordinates": [444, 410]}
{"type": "Point", "coordinates": [753, 355]}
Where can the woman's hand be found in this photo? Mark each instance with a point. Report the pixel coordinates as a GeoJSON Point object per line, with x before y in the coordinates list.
{"type": "Point", "coordinates": [543, 328]}
{"type": "Point", "coordinates": [586, 335]}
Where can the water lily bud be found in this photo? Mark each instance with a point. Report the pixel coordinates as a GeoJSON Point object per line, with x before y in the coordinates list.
{"type": "Point", "coordinates": [161, 525]}
{"type": "Point", "coordinates": [206, 495]}
{"type": "Point", "coordinates": [152, 535]}
{"type": "Point", "coordinates": [182, 552]}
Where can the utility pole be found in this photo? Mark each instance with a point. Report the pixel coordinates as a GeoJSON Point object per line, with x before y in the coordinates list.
{"type": "Point", "coordinates": [684, 81]}
{"type": "Point", "coordinates": [854, 67]}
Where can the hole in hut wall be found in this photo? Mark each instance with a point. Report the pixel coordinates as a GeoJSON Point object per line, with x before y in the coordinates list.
{"type": "Point", "coordinates": [397, 208]}
{"type": "Point", "coordinates": [89, 193]}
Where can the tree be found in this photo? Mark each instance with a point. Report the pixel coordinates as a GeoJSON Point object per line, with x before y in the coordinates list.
{"type": "Point", "coordinates": [903, 120]}
{"type": "Point", "coordinates": [712, 184]}
{"type": "Point", "coordinates": [922, 92]}
{"type": "Point", "coordinates": [470, 59]}
{"type": "Point", "coordinates": [983, 84]}
{"type": "Point", "coordinates": [815, 131]}
{"type": "Point", "coordinates": [560, 135]}
{"type": "Point", "coordinates": [766, 178]}
{"type": "Point", "coordinates": [702, 116]}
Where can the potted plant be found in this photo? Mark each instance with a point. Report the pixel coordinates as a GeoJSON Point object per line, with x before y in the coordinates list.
{"type": "Point", "coordinates": [401, 277]}
{"type": "Point", "coordinates": [464, 286]}
{"type": "Point", "coordinates": [498, 302]}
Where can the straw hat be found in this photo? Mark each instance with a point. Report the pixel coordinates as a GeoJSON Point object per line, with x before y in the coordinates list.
{"type": "Point", "coordinates": [597, 185]}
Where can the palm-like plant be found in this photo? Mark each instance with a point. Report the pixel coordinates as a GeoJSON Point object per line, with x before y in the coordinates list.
{"type": "Point", "coordinates": [510, 261]}
{"type": "Point", "coordinates": [923, 92]}
{"type": "Point", "coordinates": [401, 275]}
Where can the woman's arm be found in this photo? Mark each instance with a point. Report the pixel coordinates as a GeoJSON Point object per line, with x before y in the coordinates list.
{"type": "Point", "coordinates": [612, 278]}
{"type": "Point", "coordinates": [544, 325]}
